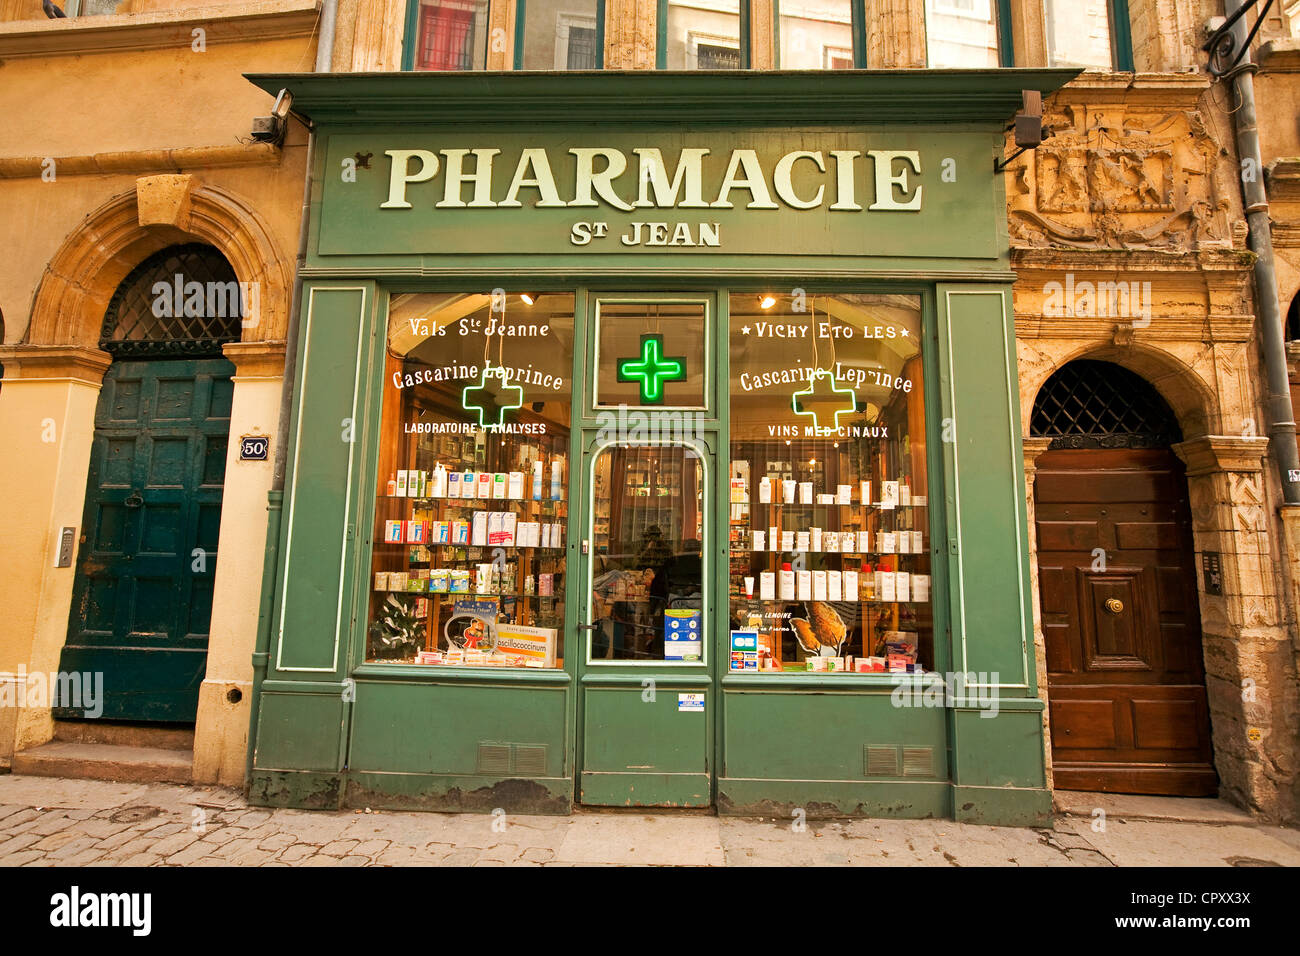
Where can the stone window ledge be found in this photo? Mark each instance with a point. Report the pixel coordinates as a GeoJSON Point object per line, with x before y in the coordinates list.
{"type": "Point", "coordinates": [224, 23]}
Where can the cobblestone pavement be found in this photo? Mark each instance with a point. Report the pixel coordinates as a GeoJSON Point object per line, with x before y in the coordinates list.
{"type": "Point", "coordinates": [55, 822]}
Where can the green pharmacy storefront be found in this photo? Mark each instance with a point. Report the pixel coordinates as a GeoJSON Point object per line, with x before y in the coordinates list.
{"type": "Point", "coordinates": [655, 443]}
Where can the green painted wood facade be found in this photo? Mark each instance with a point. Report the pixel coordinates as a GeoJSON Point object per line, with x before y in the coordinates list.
{"type": "Point", "coordinates": [331, 730]}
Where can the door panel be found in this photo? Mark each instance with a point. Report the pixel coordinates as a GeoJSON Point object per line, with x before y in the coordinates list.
{"type": "Point", "coordinates": [646, 694]}
{"type": "Point", "coordinates": [142, 599]}
{"type": "Point", "coordinates": [1126, 681]}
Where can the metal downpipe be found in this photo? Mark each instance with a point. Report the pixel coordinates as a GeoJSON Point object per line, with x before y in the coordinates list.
{"type": "Point", "coordinates": [1277, 403]}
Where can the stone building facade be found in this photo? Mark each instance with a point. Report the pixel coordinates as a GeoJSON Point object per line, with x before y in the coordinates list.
{"type": "Point", "coordinates": [1135, 190]}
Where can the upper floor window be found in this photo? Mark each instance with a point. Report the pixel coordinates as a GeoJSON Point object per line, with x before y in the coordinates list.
{"type": "Point", "coordinates": [962, 34]}
{"type": "Point", "coordinates": [559, 34]}
{"type": "Point", "coordinates": [449, 34]}
{"type": "Point", "coordinates": [703, 35]}
{"type": "Point", "coordinates": [1092, 34]}
{"type": "Point", "coordinates": [814, 34]}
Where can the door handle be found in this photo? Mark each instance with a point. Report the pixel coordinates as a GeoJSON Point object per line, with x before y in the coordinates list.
{"type": "Point", "coordinates": [1114, 605]}
{"type": "Point", "coordinates": [588, 627]}
{"type": "Point", "coordinates": [134, 500]}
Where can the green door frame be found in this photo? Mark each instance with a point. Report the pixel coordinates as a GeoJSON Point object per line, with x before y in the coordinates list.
{"type": "Point", "coordinates": [612, 682]}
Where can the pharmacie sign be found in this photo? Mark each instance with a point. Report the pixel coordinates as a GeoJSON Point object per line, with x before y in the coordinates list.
{"type": "Point", "coordinates": [881, 192]}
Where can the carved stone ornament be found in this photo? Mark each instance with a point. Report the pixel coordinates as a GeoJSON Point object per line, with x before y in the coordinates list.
{"type": "Point", "coordinates": [1115, 177]}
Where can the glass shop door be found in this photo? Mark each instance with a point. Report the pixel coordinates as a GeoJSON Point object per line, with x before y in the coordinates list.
{"type": "Point", "coordinates": [646, 701]}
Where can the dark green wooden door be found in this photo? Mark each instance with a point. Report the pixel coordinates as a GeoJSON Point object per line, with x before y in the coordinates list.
{"type": "Point", "coordinates": [142, 598]}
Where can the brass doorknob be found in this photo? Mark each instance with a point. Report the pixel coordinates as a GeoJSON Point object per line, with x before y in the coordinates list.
{"type": "Point", "coordinates": [1114, 605]}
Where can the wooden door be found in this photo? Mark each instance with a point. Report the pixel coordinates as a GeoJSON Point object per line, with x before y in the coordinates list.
{"type": "Point", "coordinates": [142, 598]}
{"type": "Point", "coordinates": [1126, 680]}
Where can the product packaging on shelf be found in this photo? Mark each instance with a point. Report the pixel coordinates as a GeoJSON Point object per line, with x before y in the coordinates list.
{"type": "Point", "coordinates": [885, 587]}
{"type": "Point", "coordinates": [804, 579]}
{"type": "Point", "coordinates": [888, 495]}
{"type": "Point", "coordinates": [381, 580]}
{"type": "Point", "coordinates": [767, 585]}
{"type": "Point", "coordinates": [805, 493]}
{"type": "Point", "coordinates": [483, 485]}
{"type": "Point", "coordinates": [815, 538]}
{"type": "Point", "coordinates": [921, 588]}
{"type": "Point", "coordinates": [460, 532]}
{"type": "Point", "coordinates": [818, 585]}
{"type": "Point", "coordinates": [393, 531]}
{"type": "Point", "coordinates": [438, 482]}
{"type": "Point", "coordinates": [546, 535]}
{"type": "Point", "coordinates": [453, 484]}
{"type": "Point", "coordinates": [845, 493]}
{"type": "Point", "coordinates": [499, 484]}
{"type": "Point", "coordinates": [851, 586]}
{"type": "Point", "coordinates": [831, 540]}
{"type": "Point", "coordinates": [495, 520]}
{"type": "Point", "coordinates": [902, 586]}
{"type": "Point", "coordinates": [774, 539]}
{"type": "Point", "coordinates": [787, 540]}
{"type": "Point", "coordinates": [918, 542]}
{"type": "Point", "coordinates": [758, 540]}
{"type": "Point", "coordinates": [834, 586]}
{"type": "Point", "coordinates": [537, 480]}
{"type": "Point", "coordinates": [802, 541]}
{"type": "Point", "coordinates": [515, 485]}
{"type": "Point", "coordinates": [787, 583]}
{"type": "Point", "coordinates": [765, 491]}
{"type": "Point", "coordinates": [866, 492]}
{"type": "Point", "coordinates": [557, 468]}
{"type": "Point", "coordinates": [509, 522]}
{"type": "Point", "coordinates": [402, 474]}
{"type": "Point", "coordinates": [479, 534]}
{"type": "Point", "coordinates": [546, 585]}
{"type": "Point", "coordinates": [417, 532]}
{"type": "Point", "coordinates": [904, 495]}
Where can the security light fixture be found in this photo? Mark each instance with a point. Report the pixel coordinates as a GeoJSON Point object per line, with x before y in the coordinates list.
{"type": "Point", "coordinates": [271, 129]}
{"type": "Point", "coordinates": [529, 297]}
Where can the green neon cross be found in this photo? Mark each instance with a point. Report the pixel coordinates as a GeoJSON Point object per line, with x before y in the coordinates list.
{"type": "Point", "coordinates": [486, 402]}
{"type": "Point", "coordinates": [652, 369]}
{"type": "Point", "coordinates": [847, 407]}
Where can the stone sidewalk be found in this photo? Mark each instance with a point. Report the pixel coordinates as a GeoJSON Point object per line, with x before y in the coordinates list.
{"type": "Point", "coordinates": [48, 821]}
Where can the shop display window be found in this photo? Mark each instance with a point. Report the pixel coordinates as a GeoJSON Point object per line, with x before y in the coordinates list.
{"type": "Point", "coordinates": [471, 513]}
{"type": "Point", "coordinates": [830, 551]}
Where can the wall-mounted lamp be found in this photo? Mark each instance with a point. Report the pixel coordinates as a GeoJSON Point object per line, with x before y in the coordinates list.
{"type": "Point", "coordinates": [529, 297]}
{"type": "Point", "coordinates": [1028, 126]}
{"type": "Point", "coordinates": [766, 301]}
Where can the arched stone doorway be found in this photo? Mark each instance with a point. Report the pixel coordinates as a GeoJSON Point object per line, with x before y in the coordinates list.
{"type": "Point", "coordinates": [1117, 584]}
{"type": "Point", "coordinates": [53, 376]}
{"type": "Point", "coordinates": [142, 596]}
